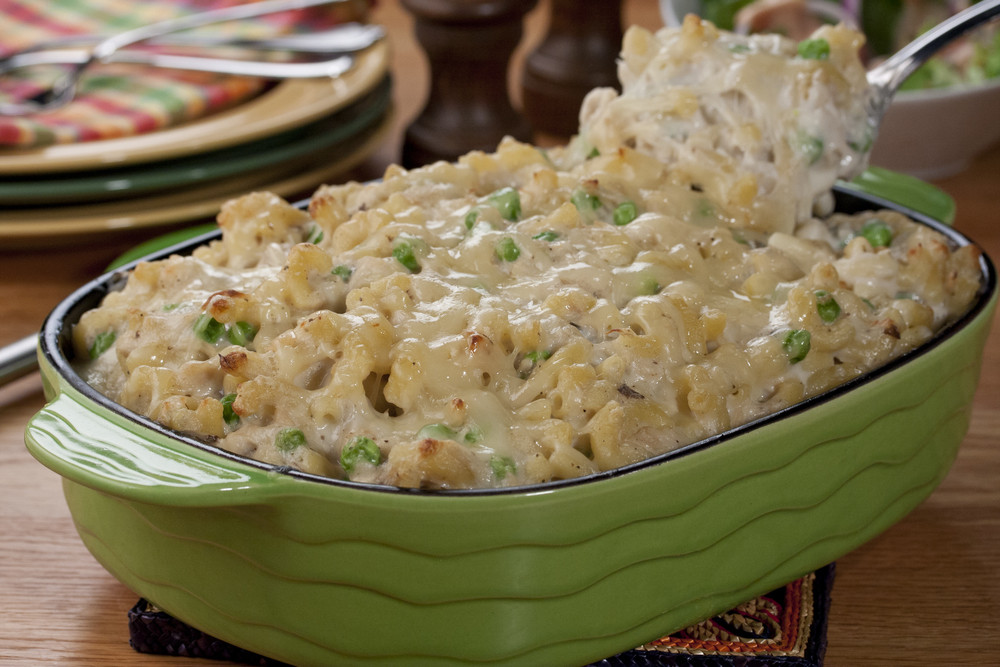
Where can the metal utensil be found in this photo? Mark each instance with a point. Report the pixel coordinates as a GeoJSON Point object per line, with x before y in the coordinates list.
{"type": "Point", "coordinates": [336, 44]}
{"type": "Point", "coordinates": [64, 88]}
{"type": "Point", "coordinates": [18, 359]}
{"type": "Point", "coordinates": [338, 41]}
{"type": "Point", "coordinates": [345, 37]}
{"type": "Point", "coordinates": [261, 68]}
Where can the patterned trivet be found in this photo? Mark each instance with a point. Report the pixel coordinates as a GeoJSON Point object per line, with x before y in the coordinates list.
{"type": "Point", "coordinates": [786, 628]}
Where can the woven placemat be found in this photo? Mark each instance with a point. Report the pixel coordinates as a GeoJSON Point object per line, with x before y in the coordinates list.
{"type": "Point", "coordinates": [786, 627]}
{"type": "Point", "coordinates": [125, 100]}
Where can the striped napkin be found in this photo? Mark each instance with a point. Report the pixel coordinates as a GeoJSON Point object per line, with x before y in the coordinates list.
{"type": "Point", "coordinates": [125, 100]}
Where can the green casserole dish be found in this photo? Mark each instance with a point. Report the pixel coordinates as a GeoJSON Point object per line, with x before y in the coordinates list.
{"type": "Point", "coordinates": [311, 570]}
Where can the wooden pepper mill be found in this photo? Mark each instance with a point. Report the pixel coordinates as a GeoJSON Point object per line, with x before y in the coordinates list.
{"type": "Point", "coordinates": [578, 53]}
{"type": "Point", "coordinates": [469, 44]}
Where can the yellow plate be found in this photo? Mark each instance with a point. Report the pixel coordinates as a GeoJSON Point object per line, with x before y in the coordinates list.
{"type": "Point", "coordinates": [50, 226]}
{"type": "Point", "coordinates": [288, 105]}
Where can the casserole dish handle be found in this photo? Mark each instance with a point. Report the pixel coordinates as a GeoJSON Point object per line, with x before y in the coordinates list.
{"type": "Point", "coordinates": [102, 452]}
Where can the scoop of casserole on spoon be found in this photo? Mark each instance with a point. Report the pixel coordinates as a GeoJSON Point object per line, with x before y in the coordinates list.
{"type": "Point", "coordinates": [762, 124]}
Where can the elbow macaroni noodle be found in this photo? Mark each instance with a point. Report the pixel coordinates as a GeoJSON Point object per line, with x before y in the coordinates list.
{"type": "Point", "coordinates": [512, 318]}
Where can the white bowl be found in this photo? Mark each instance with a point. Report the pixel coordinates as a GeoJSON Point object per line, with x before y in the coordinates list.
{"type": "Point", "coordinates": [936, 133]}
{"type": "Point", "coordinates": [929, 134]}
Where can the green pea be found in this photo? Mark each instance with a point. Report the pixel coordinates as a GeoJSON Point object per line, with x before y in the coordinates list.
{"type": "Point", "coordinates": [625, 213]}
{"type": "Point", "coordinates": [827, 306]}
{"type": "Point", "coordinates": [241, 333]}
{"type": "Point", "coordinates": [208, 328]}
{"type": "Point", "coordinates": [403, 252]}
{"type": "Point", "coordinates": [343, 272]}
{"type": "Point", "coordinates": [649, 286]}
{"type": "Point", "coordinates": [502, 466]}
{"type": "Point", "coordinates": [473, 435]}
{"type": "Point", "coordinates": [814, 49]}
{"type": "Point", "coordinates": [547, 235]}
{"type": "Point", "coordinates": [537, 355]}
{"type": "Point", "coordinates": [102, 342]}
{"type": "Point", "coordinates": [228, 415]}
{"type": "Point", "coordinates": [289, 439]}
{"type": "Point", "coordinates": [810, 146]}
{"type": "Point", "coordinates": [438, 432]}
{"type": "Point", "coordinates": [796, 344]}
{"type": "Point", "coordinates": [585, 201]}
{"type": "Point", "coordinates": [471, 217]}
{"type": "Point", "coordinates": [508, 202]}
{"type": "Point", "coordinates": [507, 250]}
{"type": "Point", "coordinates": [358, 449]}
{"type": "Point", "coordinates": [315, 234]}
{"type": "Point", "coordinates": [878, 233]}
{"type": "Point", "coordinates": [533, 358]}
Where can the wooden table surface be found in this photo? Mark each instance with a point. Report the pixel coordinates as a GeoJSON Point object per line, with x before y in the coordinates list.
{"type": "Point", "coordinates": [926, 592]}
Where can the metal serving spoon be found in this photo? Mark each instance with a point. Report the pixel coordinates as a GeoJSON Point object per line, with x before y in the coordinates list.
{"type": "Point", "coordinates": [64, 88]}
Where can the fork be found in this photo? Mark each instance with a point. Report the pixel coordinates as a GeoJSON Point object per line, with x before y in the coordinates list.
{"type": "Point", "coordinates": [338, 65]}
{"type": "Point", "coordinates": [345, 37]}
{"type": "Point", "coordinates": [333, 44]}
{"type": "Point", "coordinates": [63, 90]}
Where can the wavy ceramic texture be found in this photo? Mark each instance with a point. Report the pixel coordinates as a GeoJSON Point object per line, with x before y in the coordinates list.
{"type": "Point", "coordinates": [321, 573]}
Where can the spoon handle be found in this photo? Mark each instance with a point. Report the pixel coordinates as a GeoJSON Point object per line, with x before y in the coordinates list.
{"type": "Point", "coordinates": [18, 359]}
{"type": "Point", "coordinates": [232, 13]}
{"type": "Point", "coordinates": [887, 77]}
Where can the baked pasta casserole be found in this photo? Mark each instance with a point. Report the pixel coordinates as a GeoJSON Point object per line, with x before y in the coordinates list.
{"type": "Point", "coordinates": [523, 316]}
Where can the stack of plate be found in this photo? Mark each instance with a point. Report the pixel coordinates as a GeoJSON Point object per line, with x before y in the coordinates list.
{"type": "Point", "coordinates": [287, 140]}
